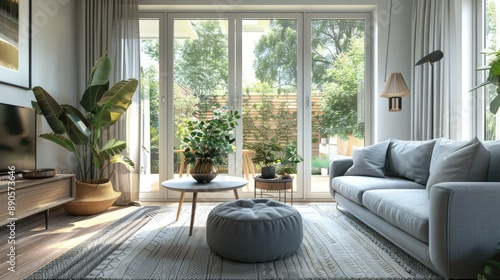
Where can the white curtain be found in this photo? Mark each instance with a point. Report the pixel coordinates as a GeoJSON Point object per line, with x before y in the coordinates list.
{"type": "Point", "coordinates": [431, 30]}
{"type": "Point", "coordinates": [113, 26]}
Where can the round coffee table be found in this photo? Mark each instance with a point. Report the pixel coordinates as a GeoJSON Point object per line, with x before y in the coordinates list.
{"type": "Point", "coordinates": [219, 184]}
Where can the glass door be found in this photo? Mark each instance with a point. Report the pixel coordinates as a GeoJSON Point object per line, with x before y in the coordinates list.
{"type": "Point", "coordinates": [337, 56]}
{"type": "Point", "coordinates": [200, 62]}
{"type": "Point", "coordinates": [299, 80]}
{"type": "Point", "coordinates": [269, 84]}
{"type": "Point", "coordinates": [151, 28]}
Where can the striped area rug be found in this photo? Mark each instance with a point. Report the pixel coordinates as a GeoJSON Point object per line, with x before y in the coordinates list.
{"type": "Point", "coordinates": [149, 244]}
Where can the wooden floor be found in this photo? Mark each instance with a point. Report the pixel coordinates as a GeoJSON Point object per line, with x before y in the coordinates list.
{"type": "Point", "coordinates": [35, 246]}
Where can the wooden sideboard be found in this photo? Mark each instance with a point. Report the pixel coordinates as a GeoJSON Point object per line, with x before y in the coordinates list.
{"type": "Point", "coordinates": [35, 195]}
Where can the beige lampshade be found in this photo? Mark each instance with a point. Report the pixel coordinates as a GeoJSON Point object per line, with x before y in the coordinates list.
{"type": "Point", "coordinates": [395, 86]}
{"type": "Point", "coordinates": [394, 89]}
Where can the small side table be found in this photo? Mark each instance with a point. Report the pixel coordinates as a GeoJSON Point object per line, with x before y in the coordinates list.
{"type": "Point", "coordinates": [276, 184]}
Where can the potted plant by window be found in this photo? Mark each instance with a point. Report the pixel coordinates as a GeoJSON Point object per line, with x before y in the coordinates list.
{"type": "Point", "coordinates": [80, 132]}
{"type": "Point", "coordinates": [266, 155]}
{"type": "Point", "coordinates": [493, 77]}
{"type": "Point", "coordinates": [207, 143]}
{"type": "Point", "coordinates": [288, 161]}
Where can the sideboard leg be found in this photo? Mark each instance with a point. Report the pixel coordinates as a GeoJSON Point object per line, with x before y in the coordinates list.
{"type": "Point", "coordinates": [47, 219]}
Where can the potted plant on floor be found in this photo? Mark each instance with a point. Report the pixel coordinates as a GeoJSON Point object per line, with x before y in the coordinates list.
{"type": "Point", "coordinates": [80, 132]}
{"type": "Point", "coordinates": [207, 143]}
{"type": "Point", "coordinates": [266, 155]}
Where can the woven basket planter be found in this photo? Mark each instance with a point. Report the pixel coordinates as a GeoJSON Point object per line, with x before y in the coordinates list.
{"type": "Point", "coordinates": [92, 197]}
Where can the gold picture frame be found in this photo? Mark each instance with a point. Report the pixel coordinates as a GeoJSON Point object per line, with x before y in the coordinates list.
{"type": "Point", "coordinates": [15, 43]}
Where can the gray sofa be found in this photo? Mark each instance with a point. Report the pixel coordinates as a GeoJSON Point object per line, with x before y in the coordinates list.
{"type": "Point", "coordinates": [437, 200]}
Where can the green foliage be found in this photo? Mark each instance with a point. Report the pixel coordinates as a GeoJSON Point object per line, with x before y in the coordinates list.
{"type": "Point", "coordinates": [276, 55]}
{"type": "Point", "coordinates": [266, 154]}
{"type": "Point", "coordinates": [289, 159]}
{"type": "Point", "coordinates": [209, 139]}
{"type": "Point", "coordinates": [338, 63]}
{"type": "Point", "coordinates": [286, 157]}
{"type": "Point", "coordinates": [276, 52]}
{"type": "Point", "coordinates": [80, 132]}
{"type": "Point", "coordinates": [491, 269]}
{"type": "Point", "coordinates": [320, 162]}
{"type": "Point", "coordinates": [201, 64]}
{"type": "Point", "coordinates": [493, 77]}
{"type": "Point", "coordinates": [329, 39]}
{"type": "Point", "coordinates": [340, 106]}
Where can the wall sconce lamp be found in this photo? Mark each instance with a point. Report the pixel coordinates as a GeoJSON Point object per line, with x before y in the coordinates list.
{"type": "Point", "coordinates": [394, 89]}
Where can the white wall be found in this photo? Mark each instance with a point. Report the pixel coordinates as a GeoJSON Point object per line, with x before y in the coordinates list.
{"type": "Point", "coordinates": [54, 67]}
{"type": "Point", "coordinates": [393, 124]}
{"type": "Point", "coordinates": [385, 124]}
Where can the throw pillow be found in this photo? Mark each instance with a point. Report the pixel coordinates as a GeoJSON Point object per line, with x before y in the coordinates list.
{"type": "Point", "coordinates": [410, 159]}
{"type": "Point", "coordinates": [469, 162]}
{"type": "Point", "coordinates": [443, 145]}
{"type": "Point", "coordinates": [369, 161]}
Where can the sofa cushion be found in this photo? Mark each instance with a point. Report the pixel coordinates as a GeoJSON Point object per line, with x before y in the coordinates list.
{"type": "Point", "coordinates": [407, 210]}
{"type": "Point", "coordinates": [442, 145]}
{"type": "Point", "coordinates": [494, 149]}
{"type": "Point", "coordinates": [467, 163]}
{"type": "Point", "coordinates": [409, 159]}
{"type": "Point", "coordinates": [369, 161]}
{"type": "Point", "coordinates": [353, 187]}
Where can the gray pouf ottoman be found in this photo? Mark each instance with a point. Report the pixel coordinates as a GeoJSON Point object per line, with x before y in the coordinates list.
{"type": "Point", "coordinates": [254, 230]}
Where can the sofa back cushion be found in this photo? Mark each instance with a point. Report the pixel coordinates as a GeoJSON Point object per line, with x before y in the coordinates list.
{"type": "Point", "coordinates": [494, 149]}
{"type": "Point", "coordinates": [442, 145]}
{"type": "Point", "coordinates": [409, 159]}
{"type": "Point", "coordinates": [468, 162]}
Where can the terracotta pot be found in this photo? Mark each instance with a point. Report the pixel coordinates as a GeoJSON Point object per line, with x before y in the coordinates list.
{"type": "Point", "coordinates": [203, 171]}
{"type": "Point", "coordinates": [92, 197]}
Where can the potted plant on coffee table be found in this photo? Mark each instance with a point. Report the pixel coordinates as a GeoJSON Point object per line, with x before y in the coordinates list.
{"type": "Point", "coordinates": [207, 143]}
{"type": "Point", "coordinates": [266, 155]}
{"type": "Point", "coordinates": [80, 132]}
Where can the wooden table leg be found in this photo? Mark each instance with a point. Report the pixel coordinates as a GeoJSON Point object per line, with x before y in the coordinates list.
{"type": "Point", "coordinates": [180, 206]}
{"type": "Point", "coordinates": [236, 194]}
{"type": "Point", "coordinates": [193, 210]}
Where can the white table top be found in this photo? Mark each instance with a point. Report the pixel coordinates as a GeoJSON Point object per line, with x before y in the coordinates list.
{"type": "Point", "coordinates": [220, 183]}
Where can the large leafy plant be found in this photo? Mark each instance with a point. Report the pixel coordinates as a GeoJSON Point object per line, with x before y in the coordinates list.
{"type": "Point", "coordinates": [81, 132]}
{"type": "Point", "coordinates": [209, 140]}
{"type": "Point", "coordinates": [493, 77]}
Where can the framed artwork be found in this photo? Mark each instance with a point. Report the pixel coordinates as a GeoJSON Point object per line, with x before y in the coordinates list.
{"type": "Point", "coordinates": [15, 43]}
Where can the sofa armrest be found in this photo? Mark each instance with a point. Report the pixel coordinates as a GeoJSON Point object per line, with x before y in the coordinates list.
{"type": "Point", "coordinates": [338, 167]}
{"type": "Point", "coordinates": [464, 227]}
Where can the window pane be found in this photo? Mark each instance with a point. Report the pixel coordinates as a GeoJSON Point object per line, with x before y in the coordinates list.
{"type": "Point", "coordinates": [150, 160]}
{"type": "Point", "coordinates": [337, 93]}
{"type": "Point", "coordinates": [200, 76]}
{"type": "Point", "coordinates": [269, 71]}
{"type": "Point", "coordinates": [492, 129]}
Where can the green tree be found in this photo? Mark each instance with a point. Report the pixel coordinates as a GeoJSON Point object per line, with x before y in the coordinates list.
{"type": "Point", "coordinates": [330, 38]}
{"type": "Point", "coordinates": [201, 64]}
{"type": "Point", "coordinates": [276, 55]}
{"type": "Point", "coordinates": [337, 69]}
{"type": "Point", "coordinates": [276, 52]}
{"type": "Point", "coordinates": [340, 107]}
